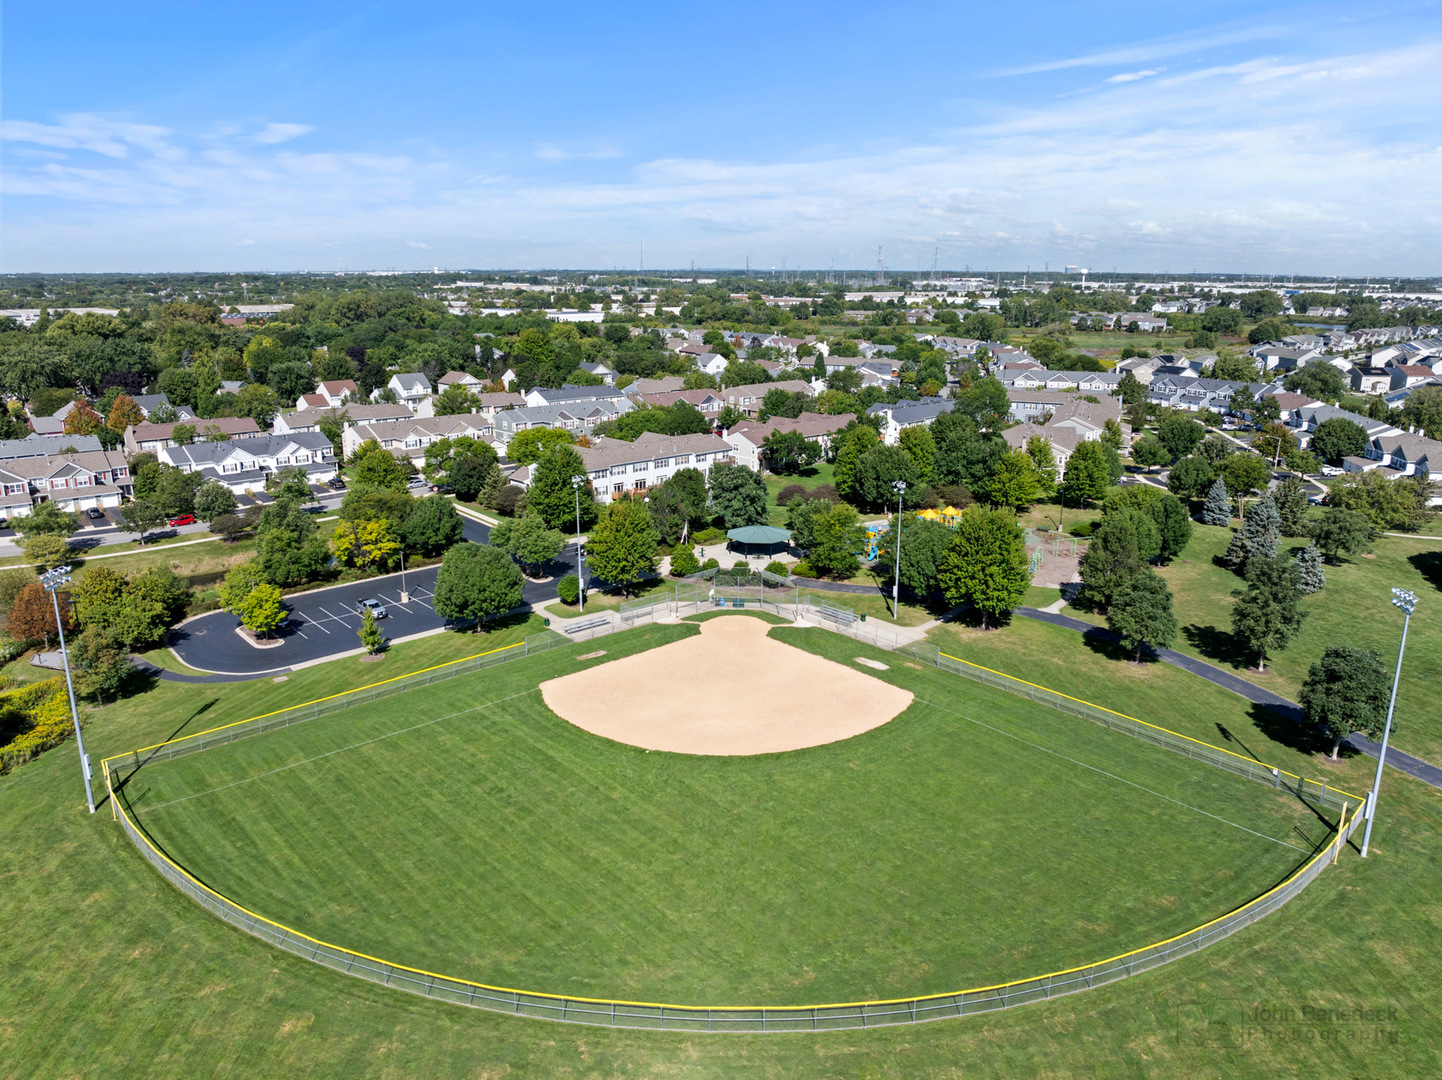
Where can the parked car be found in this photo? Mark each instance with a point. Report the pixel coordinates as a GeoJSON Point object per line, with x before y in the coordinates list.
{"type": "Point", "coordinates": [442, 489]}
{"type": "Point", "coordinates": [375, 607]}
{"type": "Point", "coordinates": [94, 513]}
{"type": "Point", "coordinates": [335, 483]}
{"type": "Point", "coordinates": [416, 481]}
{"type": "Point", "coordinates": [1331, 470]}
{"type": "Point", "coordinates": [183, 519]}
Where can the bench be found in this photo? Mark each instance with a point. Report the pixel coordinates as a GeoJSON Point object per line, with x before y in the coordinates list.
{"type": "Point", "coordinates": [582, 625]}
{"type": "Point", "coordinates": [839, 615]}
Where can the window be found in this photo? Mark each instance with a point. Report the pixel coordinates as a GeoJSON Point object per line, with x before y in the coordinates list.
{"type": "Point", "coordinates": [639, 485]}
{"type": "Point", "coordinates": [616, 489]}
{"type": "Point", "coordinates": [662, 462]}
{"type": "Point", "coordinates": [640, 466]}
{"type": "Point", "coordinates": [684, 459]}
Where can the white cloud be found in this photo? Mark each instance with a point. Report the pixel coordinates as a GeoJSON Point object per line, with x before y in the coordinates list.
{"type": "Point", "coordinates": [279, 133]}
{"type": "Point", "coordinates": [1158, 49]}
{"type": "Point", "coordinates": [1133, 76]}
{"type": "Point", "coordinates": [417, 244]}
{"type": "Point", "coordinates": [550, 152]}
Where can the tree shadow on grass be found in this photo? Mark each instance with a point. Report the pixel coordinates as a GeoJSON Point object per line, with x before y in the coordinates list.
{"type": "Point", "coordinates": [1214, 644]}
{"type": "Point", "coordinates": [1429, 565]}
{"type": "Point", "coordinates": [1290, 727]}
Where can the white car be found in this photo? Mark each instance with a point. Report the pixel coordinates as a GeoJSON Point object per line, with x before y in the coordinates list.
{"type": "Point", "coordinates": [1331, 470]}
{"type": "Point", "coordinates": [375, 607]}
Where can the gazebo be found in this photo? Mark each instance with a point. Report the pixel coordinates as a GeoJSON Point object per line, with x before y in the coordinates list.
{"type": "Point", "coordinates": [768, 537]}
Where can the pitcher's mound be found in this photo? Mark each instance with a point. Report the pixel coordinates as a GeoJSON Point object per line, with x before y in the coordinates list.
{"type": "Point", "coordinates": [731, 689]}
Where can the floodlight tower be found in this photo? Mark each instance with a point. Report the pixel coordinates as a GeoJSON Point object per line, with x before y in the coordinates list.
{"type": "Point", "coordinates": [898, 486]}
{"type": "Point", "coordinates": [52, 580]}
{"type": "Point", "coordinates": [578, 482]}
{"type": "Point", "coordinates": [1406, 602]}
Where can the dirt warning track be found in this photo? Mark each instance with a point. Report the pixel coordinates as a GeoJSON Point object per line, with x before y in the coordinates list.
{"type": "Point", "coordinates": [729, 690]}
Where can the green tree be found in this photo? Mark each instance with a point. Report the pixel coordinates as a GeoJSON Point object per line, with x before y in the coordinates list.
{"type": "Point", "coordinates": [474, 473]}
{"type": "Point", "coordinates": [47, 518]}
{"type": "Point", "coordinates": [849, 449]}
{"type": "Point", "coordinates": [920, 447]}
{"type": "Point", "coordinates": [1130, 389]}
{"type": "Point", "coordinates": [1087, 478]}
{"type": "Point", "coordinates": [738, 495]}
{"type": "Point", "coordinates": [1318, 380]}
{"type": "Point", "coordinates": [1245, 474]}
{"type": "Point", "coordinates": [529, 540]}
{"type": "Point", "coordinates": [684, 562]}
{"type": "Point", "coordinates": [1346, 690]}
{"type": "Point", "coordinates": [529, 446]}
{"type": "Point", "coordinates": [788, 452]}
{"type": "Point", "coordinates": [1217, 510]}
{"type": "Point", "coordinates": [1291, 499]}
{"type": "Point", "coordinates": [1341, 530]}
{"type": "Point", "coordinates": [1113, 557]}
{"type": "Point", "coordinates": [477, 582]}
{"type": "Point", "coordinates": [985, 564]}
{"type": "Point", "coordinates": [836, 538]}
{"type": "Point", "coordinates": [621, 549]}
{"type": "Point", "coordinates": [262, 610]}
{"type": "Point", "coordinates": [986, 403]}
{"type": "Point", "coordinates": [101, 665]}
{"type": "Point", "coordinates": [182, 434]}
{"type": "Point", "coordinates": [1190, 477]}
{"type": "Point", "coordinates": [374, 466]}
{"type": "Point", "coordinates": [140, 516]}
{"type": "Point", "coordinates": [1258, 537]}
{"type": "Point", "coordinates": [288, 550]}
{"type": "Point", "coordinates": [879, 469]}
{"type": "Point", "coordinates": [1173, 525]}
{"type": "Point", "coordinates": [238, 583]}
{"type": "Point", "coordinates": [1014, 483]}
{"type": "Point", "coordinates": [45, 550]}
{"type": "Point", "coordinates": [923, 544]}
{"type": "Point", "coordinates": [455, 400]}
{"type": "Point", "coordinates": [551, 493]}
{"type": "Point", "coordinates": [1313, 575]}
{"type": "Point", "coordinates": [1040, 451]}
{"type": "Point", "coordinates": [1268, 612]}
{"type": "Point", "coordinates": [432, 526]}
{"type": "Point", "coordinates": [1141, 612]}
{"type": "Point", "coordinates": [679, 505]}
{"type": "Point", "coordinates": [1180, 436]}
{"type": "Point", "coordinates": [212, 499]}
{"type": "Point", "coordinates": [1388, 504]}
{"type": "Point", "coordinates": [1150, 453]}
{"type": "Point", "coordinates": [370, 634]}
{"type": "Point", "coordinates": [1337, 438]}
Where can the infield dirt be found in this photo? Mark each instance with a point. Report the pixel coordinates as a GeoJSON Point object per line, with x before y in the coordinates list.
{"type": "Point", "coordinates": [729, 690]}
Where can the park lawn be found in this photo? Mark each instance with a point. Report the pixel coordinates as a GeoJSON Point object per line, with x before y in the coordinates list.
{"type": "Point", "coordinates": [611, 599]}
{"type": "Point", "coordinates": [473, 788]}
{"type": "Point", "coordinates": [1048, 515]}
{"type": "Point", "coordinates": [1063, 660]}
{"type": "Point", "coordinates": [821, 473]}
{"type": "Point", "coordinates": [1354, 609]}
{"type": "Point", "coordinates": [136, 981]}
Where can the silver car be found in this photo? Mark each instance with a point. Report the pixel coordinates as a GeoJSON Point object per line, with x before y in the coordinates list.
{"type": "Point", "coordinates": [375, 607]}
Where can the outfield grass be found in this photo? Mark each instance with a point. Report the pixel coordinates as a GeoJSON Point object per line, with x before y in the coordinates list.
{"type": "Point", "coordinates": [601, 870]}
{"type": "Point", "coordinates": [110, 972]}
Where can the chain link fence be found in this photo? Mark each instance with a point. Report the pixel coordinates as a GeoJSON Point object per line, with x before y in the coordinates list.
{"type": "Point", "coordinates": [651, 1015]}
{"type": "Point", "coordinates": [1311, 789]}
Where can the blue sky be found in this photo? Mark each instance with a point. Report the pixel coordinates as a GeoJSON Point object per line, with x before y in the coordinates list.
{"type": "Point", "coordinates": [1215, 136]}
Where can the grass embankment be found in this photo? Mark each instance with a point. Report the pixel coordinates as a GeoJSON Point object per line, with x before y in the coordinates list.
{"type": "Point", "coordinates": [136, 981]}
{"type": "Point", "coordinates": [796, 886]}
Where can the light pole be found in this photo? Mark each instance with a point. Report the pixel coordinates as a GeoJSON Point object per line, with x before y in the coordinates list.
{"type": "Point", "coordinates": [52, 580]}
{"type": "Point", "coordinates": [898, 486]}
{"type": "Point", "coordinates": [577, 482]}
{"type": "Point", "coordinates": [405, 596]}
{"type": "Point", "coordinates": [1407, 602]}
{"type": "Point", "coordinates": [1277, 460]}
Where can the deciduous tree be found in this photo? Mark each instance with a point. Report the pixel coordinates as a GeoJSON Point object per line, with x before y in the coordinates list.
{"type": "Point", "coordinates": [262, 611]}
{"type": "Point", "coordinates": [1268, 612]}
{"type": "Point", "coordinates": [738, 495]}
{"type": "Point", "coordinates": [985, 564]}
{"type": "Point", "coordinates": [477, 582]}
{"type": "Point", "coordinates": [1141, 612]}
{"type": "Point", "coordinates": [1341, 530]}
{"type": "Point", "coordinates": [1346, 690]}
{"type": "Point", "coordinates": [621, 549]}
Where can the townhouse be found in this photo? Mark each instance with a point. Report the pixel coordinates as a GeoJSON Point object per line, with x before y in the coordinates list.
{"type": "Point", "coordinates": [541, 396]}
{"type": "Point", "coordinates": [575, 418]}
{"type": "Point", "coordinates": [246, 464]}
{"type": "Point", "coordinates": [747, 438]}
{"type": "Point", "coordinates": [140, 438]}
{"type": "Point", "coordinates": [1085, 382]}
{"type": "Point", "coordinates": [1308, 418]}
{"type": "Point", "coordinates": [409, 438]}
{"type": "Point", "coordinates": [747, 398]}
{"type": "Point", "coordinates": [328, 395]}
{"type": "Point", "coordinates": [708, 402]}
{"type": "Point", "coordinates": [905, 414]}
{"type": "Point", "coordinates": [412, 389]}
{"type": "Point", "coordinates": [1194, 394]}
{"type": "Point", "coordinates": [1371, 380]}
{"type": "Point", "coordinates": [74, 482]}
{"type": "Point", "coordinates": [616, 467]}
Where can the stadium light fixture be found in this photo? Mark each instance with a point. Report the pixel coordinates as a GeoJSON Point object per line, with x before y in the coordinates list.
{"type": "Point", "coordinates": [899, 486]}
{"type": "Point", "coordinates": [577, 482]}
{"type": "Point", "coordinates": [1406, 602]}
{"type": "Point", "coordinates": [52, 580]}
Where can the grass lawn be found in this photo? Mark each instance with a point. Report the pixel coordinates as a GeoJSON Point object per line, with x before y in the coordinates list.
{"type": "Point", "coordinates": [1354, 609]}
{"type": "Point", "coordinates": [474, 788]}
{"type": "Point", "coordinates": [598, 601]}
{"type": "Point", "coordinates": [110, 972]}
{"type": "Point", "coordinates": [815, 476]}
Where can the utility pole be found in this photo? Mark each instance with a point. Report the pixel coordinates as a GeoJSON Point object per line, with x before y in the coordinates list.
{"type": "Point", "coordinates": [52, 580]}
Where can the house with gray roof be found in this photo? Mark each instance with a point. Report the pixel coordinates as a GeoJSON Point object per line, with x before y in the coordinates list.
{"type": "Point", "coordinates": [73, 482]}
{"type": "Point", "coordinates": [1308, 418]}
{"type": "Point", "coordinates": [245, 464]}
{"type": "Point", "coordinates": [616, 466]}
{"type": "Point", "coordinates": [1194, 394]}
{"type": "Point", "coordinates": [150, 402]}
{"type": "Point", "coordinates": [905, 414]}
{"type": "Point", "coordinates": [48, 445]}
{"type": "Point", "coordinates": [409, 437]}
{"type": "Point", "coordinates": [539, 396]}
{"type": "Point", "coordinates": [349, 414]}
{"type": "Point", "coordinates": [412, 389]}
{"type": "Point", "coordinates": [578, 418]}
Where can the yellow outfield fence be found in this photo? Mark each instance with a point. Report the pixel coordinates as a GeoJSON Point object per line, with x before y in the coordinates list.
{"type": "Point", "coordinates": [731, 1018]}
{"type": "Point", "coordinates": [1304, 787]}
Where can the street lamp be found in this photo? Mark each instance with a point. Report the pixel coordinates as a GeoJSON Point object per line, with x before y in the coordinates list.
{"type": "Point", "coordinates": [405, 596]}
{"type": "Point", "coordinates": [1405, 600]}
{"type": "Point", "coordinates": [577, 482]}
{"type": "Point", "coordinates": [1277, 460]}
{"type": "Point", "coordinates": [52, 580]}
{"type": "Point", "coordinates": [898, 486]}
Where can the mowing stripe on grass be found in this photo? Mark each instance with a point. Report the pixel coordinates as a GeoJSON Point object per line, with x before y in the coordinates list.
{"type": "Point", "coordinates": [1114, 776]}
{"type": "Point", "coordinates": [341, 750]}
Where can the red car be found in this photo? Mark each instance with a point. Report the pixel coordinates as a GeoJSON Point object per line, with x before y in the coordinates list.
{"type": "Point", "coordinates": [183, 519]}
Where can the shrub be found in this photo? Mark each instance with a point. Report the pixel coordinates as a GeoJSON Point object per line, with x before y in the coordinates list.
{"type": "Point", "coordinates": [789, 492]}
{"type": "Point", "coordinates": [741, 564]}
{"type": "Point", "coordinates": [710, 564]}
{"type": "Point", "coordinates": [569, 589]}
{"type": "Point", "coordinates": [825, 491]}
{"type": "Point", "coordinates": [709, 536]}
{"type": "Point", "coordinates": [802, 569]}
{"type": "Point", "coordinates": [508, 496]}
{"type": "Point", "coordinates": [957, 495]}
{"type": "Point", "coordinates": [780, 569]}
{"type": "Point", "coordinates": [683, 562]}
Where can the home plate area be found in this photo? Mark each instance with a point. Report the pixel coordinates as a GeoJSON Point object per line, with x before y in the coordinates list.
{"type": "Point", "coordinates": [729, 690]}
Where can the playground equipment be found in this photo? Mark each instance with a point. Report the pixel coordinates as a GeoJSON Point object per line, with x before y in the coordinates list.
{"type": "Point", "coordinates": [871, 546]}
